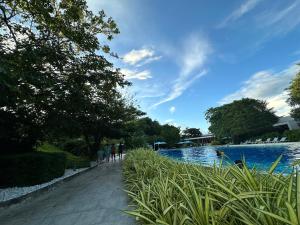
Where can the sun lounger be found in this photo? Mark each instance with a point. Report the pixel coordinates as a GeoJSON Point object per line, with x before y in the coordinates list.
{"type": "Point", "coordinates": [275, 140]}
{"type": "Point", "coordinates": [283, 139]}
{"type": "Point", "coordinates": [257, 141]}
{"type": "Point", "coordinates": [268, 140]}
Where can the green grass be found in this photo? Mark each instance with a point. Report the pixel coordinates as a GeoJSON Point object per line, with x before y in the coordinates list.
{"type": "Point", "coordinates": [72, 160]}
{"type": "Point", "coordinates": [167, 192]}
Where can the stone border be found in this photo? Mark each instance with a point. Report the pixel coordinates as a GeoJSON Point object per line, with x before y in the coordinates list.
{"type": "Point", "coordinates": [38, 192]}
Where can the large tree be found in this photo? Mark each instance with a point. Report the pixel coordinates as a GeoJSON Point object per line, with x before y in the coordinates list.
{"type": "Point", "coordinates": [241, 119]}
{"type": "Point", "coordinates": [191, 132]}
{"type": "Point", "coordinates": [170, 134]}
{"type": "Point", "coordinates": [294, 96]}
{"type": "Point", "coordinates": [53, 75]}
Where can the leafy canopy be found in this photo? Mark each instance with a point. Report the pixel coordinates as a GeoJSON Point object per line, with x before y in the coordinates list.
{"type": "Point", "coordinates": [191, 132]}
{"type": "Point", "coordinates": [294, 96]}
{"type": "Point", "coordinates": [241, 119]}
{"type": "Point", "coordinates": [52, 74]}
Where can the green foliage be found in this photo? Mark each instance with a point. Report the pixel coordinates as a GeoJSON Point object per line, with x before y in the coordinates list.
{"type": "Point", "coordinates": [292, 135]}
{"type": "Point", "coordinates": [294, 96]}
{"type": "Point", "coordinates": [170, 134]}
{"type": "Point", "coordinates": [217, 142]}
{"type": "Point", "coordinates": [31, 168]}
{"type": "Point", "coordinates": [137, 141]}
{"type": "Point", "coordinates": [191, 132]}
{"type": "Point", "coordinates": [141, 131]}
{"type": "Point", "coordinates": [76, 146]}
{"type": "Point", "coordinates": [241, 119]}
{"type": "Point", "coordinates": [53, 78]}
{"type": "Point", "coordinates": [271, 135]}
{"type": "Point", "coordinates": [72, 160]}
{"type": "Point", "coordinates": [169, 192]}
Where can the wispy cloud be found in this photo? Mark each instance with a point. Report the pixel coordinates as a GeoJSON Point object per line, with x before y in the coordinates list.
{"type": "Point", "coordinates": [172, 109]}
{"type": "Point", "coordinates": [243, 9]}
{"type": "Point", "coordinates": [280, 20]}
{"type": "Point", "coordinates": [134, 74]}
{"type": "Point", "coordinates": [269, 86]}
{"type": "Point", "coordinates": [141, 56]}
{"type": "Point", "coordinates": [195, 52]}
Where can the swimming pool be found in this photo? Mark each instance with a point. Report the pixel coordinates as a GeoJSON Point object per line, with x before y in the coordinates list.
{"type": "Point", "coordinates": [258, 156]}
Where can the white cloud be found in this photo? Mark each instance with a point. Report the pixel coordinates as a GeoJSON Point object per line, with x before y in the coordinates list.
{"type": "Point", "coordinates": [172, 109]}
{"type": "Point", "coordinates": [194, 54]}
{"type": "Point", "coordinates": [134, 74]}
{"type": "Point", "coordinates": [243, 9]}
{"type": "Point", "coordinates": [268, 86]}
{"type": "Point", "coordinates": [142, 56]}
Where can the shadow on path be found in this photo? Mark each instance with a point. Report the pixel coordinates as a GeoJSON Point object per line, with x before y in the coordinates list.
{"type": "Point", "coordinates": [95, 197]}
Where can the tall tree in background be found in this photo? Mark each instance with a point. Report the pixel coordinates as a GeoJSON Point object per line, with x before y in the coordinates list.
{"type": "Point", "coordinates": [191, 132]}
{"type": "Point", "coordinates": [294, 96]}
{"type": "Point", "coordinates": [51, 74]}
{"type": "Point", "coordinates": [170, 134]}
{"type": "Point", "coordinates": [241, 119]}
{"type": "Point", "coordinates": [143, 131]}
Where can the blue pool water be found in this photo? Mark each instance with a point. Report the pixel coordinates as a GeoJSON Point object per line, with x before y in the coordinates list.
{"type": "Point", "coordinates": [258, 156]}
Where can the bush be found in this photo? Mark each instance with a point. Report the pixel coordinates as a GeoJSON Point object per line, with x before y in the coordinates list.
{"type": "Point", "coordinates": [169, 192]}
{"type": "Point", "coordinates": [76, 162]}
{"type": "Point", "coordinates": [72, 160]}
{"type": "Point", "coordinates": [136, 142]}
{"type": "Point", "coordinates": [77, 147]}
{"type": "Point", "coordinates": [31, 168]}
{"type": "Point", "coordinates": [292, 135]}
{"type": "Point", "coordinates": [217, 142]}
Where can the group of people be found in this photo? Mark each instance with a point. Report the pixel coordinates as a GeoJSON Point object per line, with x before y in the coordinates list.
{"type": "Point", "coordinates": [110, 151]}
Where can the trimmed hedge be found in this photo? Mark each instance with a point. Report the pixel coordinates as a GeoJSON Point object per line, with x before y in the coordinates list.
{"type": "Point", "coordinates": [31, 168]}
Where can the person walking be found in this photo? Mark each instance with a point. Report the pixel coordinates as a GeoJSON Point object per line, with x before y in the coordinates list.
{"type": "Point", "coordinates": [113, 152]}
{"type": "Point", "coordinates": [107, 152]}
{"type": "Point", "coordinates": [100, 156]}
{"type": "Point", "coordinates": [120, 152]}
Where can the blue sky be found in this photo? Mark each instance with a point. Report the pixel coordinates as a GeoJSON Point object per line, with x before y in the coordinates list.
{"type": "Point", "coordinates": [186, 56]}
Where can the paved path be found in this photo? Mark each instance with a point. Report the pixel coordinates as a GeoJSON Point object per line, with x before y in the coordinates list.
{"type": "Point", "coordinates": [95, 197]}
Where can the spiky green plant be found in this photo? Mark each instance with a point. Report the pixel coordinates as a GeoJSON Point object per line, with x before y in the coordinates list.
{"type": "Point", "coordinates": [168, 192]}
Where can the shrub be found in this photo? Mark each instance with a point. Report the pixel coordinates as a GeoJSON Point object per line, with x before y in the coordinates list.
{"type": "Point", "coordinates": [77, 147]}
{"type": "Point", "coordinates": [169, 192]}
{"type": "Point", "coordinates": [72, 160]}
{"type": "Point", "coordinates": [31, 168]}
{"type": "Point", "coordinates": [292, 135]}
{"type": "Point", "coordinates": [76, 162]}
{"type": "Point", "coordinates": [217, 142]}
{"type": "Point", "coordinates": [136, 142]}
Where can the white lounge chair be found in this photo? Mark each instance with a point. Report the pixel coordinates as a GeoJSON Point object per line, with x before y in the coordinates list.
{"type": "Point", "coordinates": [257, 141]}
{"type": "Point", "coordinates": [283, 139]}
{"type": "Point", "coordinates": [268, 140]}
{"type": "Point", "coordinates": [275, 140]}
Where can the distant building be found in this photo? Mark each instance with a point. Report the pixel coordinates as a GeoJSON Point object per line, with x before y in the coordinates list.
{"type": "Point", "coordinates": [287, 123]}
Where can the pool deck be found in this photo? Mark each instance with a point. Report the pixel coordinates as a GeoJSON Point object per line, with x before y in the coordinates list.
{"type": "Point", "coordinates": [96, 197]}
{"type": "Point", "coordinates": [265, 144]}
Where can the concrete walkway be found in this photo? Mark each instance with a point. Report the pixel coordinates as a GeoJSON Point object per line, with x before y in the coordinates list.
{"type": "Point", "coordinates": [95, 197]}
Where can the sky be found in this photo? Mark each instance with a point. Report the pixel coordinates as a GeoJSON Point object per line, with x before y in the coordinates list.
{"type": "Point", "coordinates": [184, 57]}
